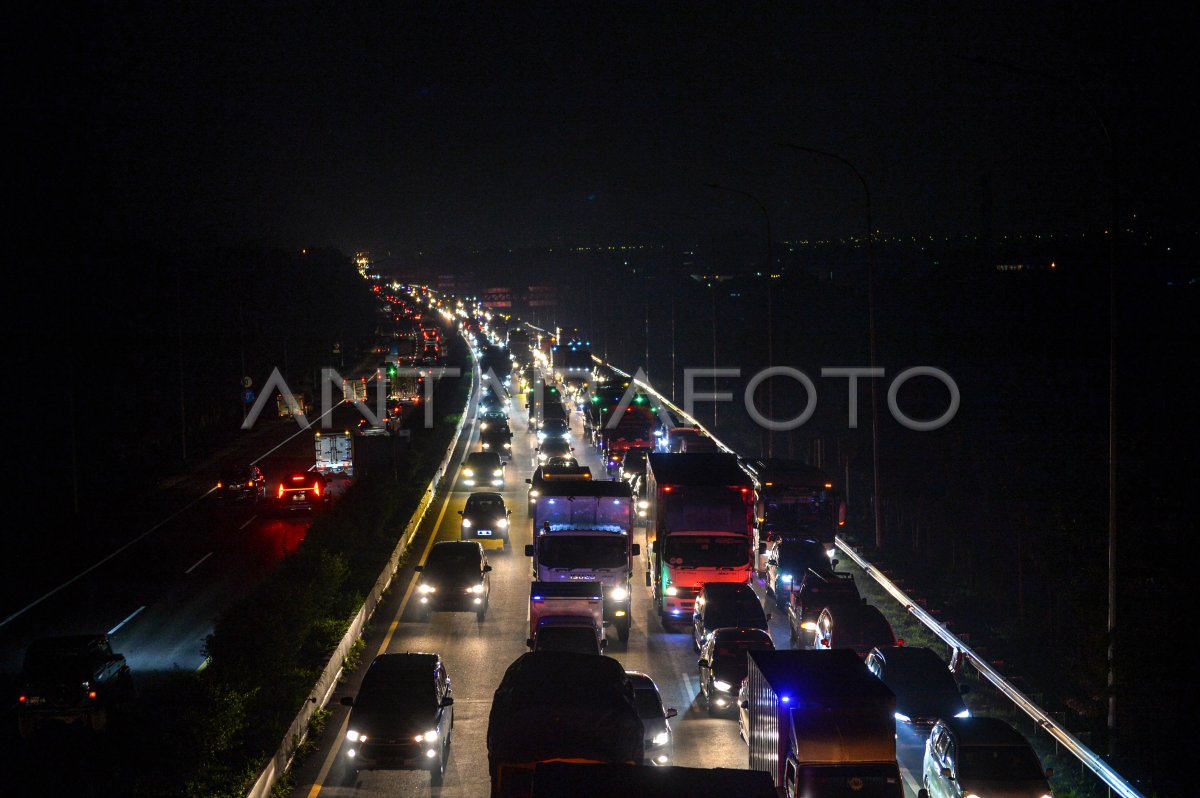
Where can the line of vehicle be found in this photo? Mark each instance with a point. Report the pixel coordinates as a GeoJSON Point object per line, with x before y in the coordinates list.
{"type": "Point", "coordinates": [130, 617]}
{"type": "Point", "coordinates": [336, 745]}
{"type": "Point", "coordinates": [96, 565]}
{"type": "Point", "coordinates": [197, 563]}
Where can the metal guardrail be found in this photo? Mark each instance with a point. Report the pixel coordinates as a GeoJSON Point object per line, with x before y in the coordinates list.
{"type": "Point", "coordinates": [328, 680]}
{"type": "Point", "coordinates": [1085, 755]}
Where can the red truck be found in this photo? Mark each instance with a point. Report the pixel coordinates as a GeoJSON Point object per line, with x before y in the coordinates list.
{"type": "Point", "coordinates": [633, 430]}
{"type": "Point", "coordinates": [699, 527]}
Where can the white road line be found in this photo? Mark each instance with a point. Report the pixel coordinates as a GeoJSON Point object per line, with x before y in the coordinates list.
{"type": "Point", "coordinates": [132, 615]}
{"type": "Point", "coordinates": [197, 565]}
{"type": "Point", "coordinates": [91, 568]}
{"type": "Point", "coordinates": [248, 523]}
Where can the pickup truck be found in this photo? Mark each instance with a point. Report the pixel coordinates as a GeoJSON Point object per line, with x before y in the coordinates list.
{"type": "Point", "coordinates": [72, 679]}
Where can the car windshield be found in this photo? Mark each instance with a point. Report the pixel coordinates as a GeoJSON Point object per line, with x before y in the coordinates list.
{"type": "Point", "coordinates": [705, 509]}
{"type": "Point", "coordinates": [738, 611]}
{"type": "Point", "coordinates": [735, 651]}
{"type": "Point", "coordinates": [396, 695]}
{"type": "Point", "coordinates": [998, 763]}
{"type": "Point", "coordinates": [927, 675]}
{"type": "Point", "coordinates": [649, 705]}
{"type": "Point", "coordinates": [582, 552]}
{"type": "Point", "coordinates": [452, 556]}
{"type": "Point", "coordinates": [822, 593]}
{"type": "Point", "coordinates": [868, 629]}
{"type": "Point", "coordinates": [567, 638]}
{"type": "Point", "coordinates": [796, 558]}
{"type": "Point", "coordinates": [485, 506]}
{"type": "Point", "coordinates": [704, 551]}
{"type": "Point", "coordinates": [481, 460]}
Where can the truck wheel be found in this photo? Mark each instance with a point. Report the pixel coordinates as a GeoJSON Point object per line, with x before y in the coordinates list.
{"type": "Point", "coordinates": [623, 632]}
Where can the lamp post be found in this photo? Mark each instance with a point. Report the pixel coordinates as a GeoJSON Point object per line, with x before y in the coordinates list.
{"type": "Point", "coordinates": [1114, 229]}
{"type": "Point", "coordinates": [770, 309]}
{"type": "Point", "coordinates": [870, 324]}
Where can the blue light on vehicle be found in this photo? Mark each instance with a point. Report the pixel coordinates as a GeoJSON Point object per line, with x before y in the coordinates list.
{"type": "Point", "coordinates": [786, 578]}
{"type": "Point", "coordinates": [536, 598]}
{"type": "Point", "coordinates": [786, 699]}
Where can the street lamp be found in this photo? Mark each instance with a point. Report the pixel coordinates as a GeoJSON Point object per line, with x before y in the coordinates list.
{"type": "Point", "coordinates": [770, 309]}
{"type": "Point", "coordinates": [870, 323]}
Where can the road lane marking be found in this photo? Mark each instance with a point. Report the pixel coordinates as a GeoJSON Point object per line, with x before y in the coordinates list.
{"type": "Point", "coordinates": [132, 615]}
{"type": "Point", "coordinates": [91, 568]}
{"type": "Point", "coordinates": [197, 565]}
{"type": "Point", "coordinates": [248, 523]}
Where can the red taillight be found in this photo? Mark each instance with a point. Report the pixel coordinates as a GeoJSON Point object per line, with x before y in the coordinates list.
{"type": "Point", "coordinates": [281, 490]}
{"type": "Point", "coordinates": [666, 488]}
{"type": "Point", "coordinates": [250, 484]}
{"type": "Point", "coordinates": [22, 700]}
{"type": "Point", "coordinates": [899, 641]}
{"type": "Point", "coordinates": [841, 523]}
{"type": "Point", "coordinates": [219, 486]}
{"type": "Point", "coordinates": [745, 490]}
{"type": "Point", "coordinates": [297, 478]}
{"type": "Point", "coordinates": [91, 693]}
{"type": "Point", "coordinates": [317, 488]}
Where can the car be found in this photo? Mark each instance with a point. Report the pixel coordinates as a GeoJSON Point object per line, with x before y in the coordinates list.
{"type": "Point", "coordinates": [787, 563]}
{"type": "Point", "coordinates": [562, 462]}
{"type": "Point", "coordinates": [492, 402]}
{"type": "Point", "coordinates": [723, 665]}
{"type": "Point", "coordinates": [743, 703]}
{"type": "Point", "coordinates": [483, 468]}
{"type": "Point", "coordinates": [547, 472]}
{"type": "Point", "coordinates": [567, 633]}
{"type": "Point", "coordinates": [554, 429]}
{"type": "Point", "coordinates": [454, 577]}
{"type": "Point", "coordinates": [658, 744]}
{"type": "Point", "coordinates": [402, 716]}
{"type": "Point", "coordinates": [816, 592]}
{"type": "Point", "coordinates": [241, 483]}
{"type": "Point", "coordinates": [857, 626]}
{"type": "Point", "coordinates": [301, 490]}
{"type": "Point", "coordinates": [726, 604]}
{"type": "Point", "coordinates": [924, 687]}
{"type": "Point", "coordinates": [552, 447]}
{"type": "Point", "coordinates": [485, 518]}
{"type": "Point", "coordinates": [498, 440]}
{"type": "Point", "coordinates": [981, 756]}
{"type": "Point", "coordinates": [493, 418]}
{"type": "Point", "coordinates": [71, 679]}
{"type": "Point", "coordinates": [633, 464]}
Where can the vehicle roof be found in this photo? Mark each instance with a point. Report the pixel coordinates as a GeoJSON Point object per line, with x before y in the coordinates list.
{"type": "Point", "coordinates": [984, 731]}
{"type": "Point", "coordinates": [409, 663]}
{"type": "Point", "coordinates": [456, 548]}
{"type": "Point", "coordinates": [587, 487]}
{"type": "Point", "coordinates": [555, 422]}
{"type": "Point", "coordinates": [484, 496]}
{"type": "Point", "coordinates": [557, 471]}
{"type": "Point", "coordinates": [483, 456]}
{"type": "Point", "coordinates": [909, 655]}
{"type": "Point", "coordinates": [732, 634]}
{"type": "Point", "coordinates": [817, 675]}
{"type": "Point", "coordinates": [698, 468]}
{"type": "Point", "coordinates": [728, 589]}
{"type": "Point", "coordinates": [847, 613]}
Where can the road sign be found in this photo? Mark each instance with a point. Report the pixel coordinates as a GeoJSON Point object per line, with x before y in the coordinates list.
{"type": "Point", "coordinates": [247, 382]}
{"type": "Point", "coordinates": [248, 397]}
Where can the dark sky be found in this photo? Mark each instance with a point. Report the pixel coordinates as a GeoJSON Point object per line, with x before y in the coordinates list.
{"type": "Point", "coordinates": [412, 126]}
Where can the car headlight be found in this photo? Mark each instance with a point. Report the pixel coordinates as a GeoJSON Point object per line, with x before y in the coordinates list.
{"type": "Point", "coordinates": [353, 736]}
{"type": "Point", "coordinates": [643, 504]}
{"type": "Point", "coordinates": [672, 591]}
{"type": "Point", "coordinates": [661, 738]}
{"type": "Point", "coordinates": [427, 737]}
{"type": "Point", "coordinates": [477, 588]}
{"type": "Point", "coordinates": [486, 445]}
{"type": "Point", "coordinates": [466, 523]}
{"type": "Point", "coordinates": [508, 446]}
{"type": "Point", "coordinates": [809, 626]}
{"type": "Point", "coordinates": [483, 425]}
{"type": "Point", "coordinates": [619, 594]}
{"type": "Point", "coordinates": [786, 578]}
{"type": "Point", "coordinates": [722, 685]}
{"type": "Point", "coordinates": [498, 472]}
{"type": "Point", "coordinates": [468, 472]}
{"type": "Point", "coordinates": [502, 523]}
{"type": "Point", "coordinates": [900, 716]}
{"type": "Point", "coordinates": [533, 493]}
{"type": "Point", "coordinates": [966, 713]}
{"type": "Point", "coordinates": [424, 588]}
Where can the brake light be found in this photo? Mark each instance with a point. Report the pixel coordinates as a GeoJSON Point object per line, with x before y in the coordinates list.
{"type": "Point", "coordinates": [297, 477]}
{"type": "Point", "coordinates": [281, 490]}
{"type": "Point", "coordinates": [219, 486]}
{"type": "Point", "coordinates": [666, 488]}
{"type": "Point", "coordinates": [899, 641]}
{"type": "Point", "coordinates": [250, 484]}
{"type": "Point", "coordinates": [22, 700]}
{"type": "Point", "coordinates": [317, 488]}
{"type": "Point", "coordinates": [91, 693]}
{"type": "Point", "coordinates": [745, 490]}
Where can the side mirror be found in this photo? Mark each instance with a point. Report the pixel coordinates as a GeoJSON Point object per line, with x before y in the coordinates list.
{"type": "Point", "coordinates": [946, 774]}
{"type": "Point", "coordinates": [528, 549]}
{"type": "Point", "coordinates": [833, 563]}
{"type": "Point", "coordinates": [528, 481]}
{"type": "Point", "coordinates": [448, 701]}
{"type": "Point", "coordinates": [654, 546]}
{"type": "Point", "coordinates": [418, 567]}
{"type": "Point", "coordinates": [702, 663]}
{"type": "Point", "coordinates": [487, 568]}
{"type": "Point", "coordinates": [604, 644]}
{"type": "Point", "coordinates": [635, 549]}
{"type": "Point", "coordinates": [672, 712]}
{"type": "Point", "coordinates": [744, 704]}
{"type": "Point", "coordinates": [347, 700]}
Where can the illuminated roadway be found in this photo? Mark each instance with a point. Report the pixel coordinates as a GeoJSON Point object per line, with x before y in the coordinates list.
{"type": "Point", "coordinates": [477, 654]}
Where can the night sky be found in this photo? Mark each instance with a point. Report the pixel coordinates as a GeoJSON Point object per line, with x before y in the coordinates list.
{"type": "Point", "coordinates": [411, 126]}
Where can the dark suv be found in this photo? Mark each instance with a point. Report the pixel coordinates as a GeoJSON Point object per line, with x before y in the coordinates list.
{"type": "Point", "coordinates": [723, 664]}
{"type": "Point", "coordinates": [454, 577]}
{"type": "Point", "coordinates": [402, 717]}
{"type": "Point", "coordinates": [485, 518]}
{"type": "Point", "coordinates": [241, 483]}
{"type": "Point", "coordinates": [73, 679]}
{"type": "Point", "coordinates": [816, 592]}
{"type": "Point", "coordinates": [726, 604]}
{"type": "Point", "coordinates": [788, 560]}
{"type": "Point", "coordinates": [483, 468]}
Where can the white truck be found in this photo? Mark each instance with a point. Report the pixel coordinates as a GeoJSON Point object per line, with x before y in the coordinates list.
{"type": "Point", "coordinates": [334, 459]}
{"type": "Point", "coordinates": [566, 616]}
{"type": "Point", "coordinates": [582, 533]}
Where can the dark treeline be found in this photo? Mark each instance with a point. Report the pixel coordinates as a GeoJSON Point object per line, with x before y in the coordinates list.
{"type": "Point", "coordinates": [144, 353]}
